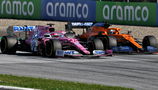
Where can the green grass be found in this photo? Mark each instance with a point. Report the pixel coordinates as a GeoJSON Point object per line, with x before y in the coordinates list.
{"type": "Point", "coordinates": [46, 84]}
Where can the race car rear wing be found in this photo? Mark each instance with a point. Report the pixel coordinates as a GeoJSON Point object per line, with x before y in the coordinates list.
{"type": "Point", "coordinates": [23, 28]}
{"type": "Point", "coordinates": [71, 25]}
{"type": "Point", "coordinates": [81, 24]}
{"type": "Point", "coordinates": [18, 30]}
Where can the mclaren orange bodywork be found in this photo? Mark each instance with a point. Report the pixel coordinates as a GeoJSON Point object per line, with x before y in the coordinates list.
{"type": "Point", "coordinates": [115, 32]}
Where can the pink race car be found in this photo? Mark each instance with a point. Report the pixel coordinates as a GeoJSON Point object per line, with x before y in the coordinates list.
{"type": "Point", "coordinates": [45, 41]}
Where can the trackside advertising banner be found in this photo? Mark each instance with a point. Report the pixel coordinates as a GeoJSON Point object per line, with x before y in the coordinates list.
{"type": "Point", "coordinates": [157, 15]}
{"type": "Point", "coordinates": [132, 13]}
{"type": "Point", "coordinates": [127, 13]}
{"type": "Point", "coordinates": [20, 9]}
{"type": "Point", "coordinates": [69, 10]}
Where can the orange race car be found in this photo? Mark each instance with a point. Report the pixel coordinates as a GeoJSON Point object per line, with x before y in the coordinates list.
{"type": "Point", "coordinates": [113, 39]}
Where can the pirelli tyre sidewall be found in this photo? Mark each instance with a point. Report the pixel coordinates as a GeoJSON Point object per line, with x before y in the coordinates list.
{"type": "Point", "coordinates": [51, 47]}
{"type": "Point", "coordinates": [95, 44]}
{"type": "Point", "coordinates": [112, 42]}
{"type": "Point", "coordinates": [149, 41]}
{"type": "Point", "coordinates": [8, 44]}
{"type": "Point", "coordinates": [109, 42]}
{"type": "Point", "coordinates": [98, 44]}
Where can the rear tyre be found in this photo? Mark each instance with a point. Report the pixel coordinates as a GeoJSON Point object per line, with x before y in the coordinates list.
{"type": "Point", "coordinates": [112, 42]}
{"type": "Point", "coordinates": [149, 41]}
{"type": "Point", "coordinates": [8, 45]}
{"type": "Point", "coordinates": [51, 47]}
{"type": "Point", "coordinates": [41, 50]}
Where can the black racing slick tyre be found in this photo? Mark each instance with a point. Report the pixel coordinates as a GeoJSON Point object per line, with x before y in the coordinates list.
{"type": "Point", "coordinates": [41, 50]}
{"type": "Point", "coordinates": [95, 44]}
{"type": "Point", "coordinates": [149, 41]}
{"type": "Point", "coordinates": [109, 42]}
{"type": "Point", "coordinates": [98, 44]}
{"type": "Point", "coordinates": [51, 47]}
{"type": "Point", "coordinates": [8, 45]}
{"type": "Point", "coordinates": [112, 42]}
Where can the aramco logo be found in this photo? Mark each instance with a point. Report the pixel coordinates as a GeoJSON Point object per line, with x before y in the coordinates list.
{"type": "Point", "coordinates": [18, 7]}
{"type": "Point", "coordinates": [126, 13]}
{"type": "Point", "coordinates": [69, 10]}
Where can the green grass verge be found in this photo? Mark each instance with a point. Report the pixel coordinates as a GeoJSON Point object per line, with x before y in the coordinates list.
{"type": "Point", "coordinates": [46, 84]}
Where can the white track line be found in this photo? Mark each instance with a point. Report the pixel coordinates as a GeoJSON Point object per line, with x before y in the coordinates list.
{"type": "Point", "coordinates": [111, 59]}
{"type": "Point", "coordinates": [15, 88]}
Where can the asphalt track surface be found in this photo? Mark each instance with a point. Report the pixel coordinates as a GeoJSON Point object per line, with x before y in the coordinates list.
{"type": "Point", "coordinates": [134, 71]}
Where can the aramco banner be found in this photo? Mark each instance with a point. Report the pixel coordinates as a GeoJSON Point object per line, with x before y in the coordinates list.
{"type": "Point", "coordinates": [69, 10]}
{"type": "Point", "coordinates": [132, 13]}
{"type": "Point", "coordinates": [20, 9]}
{"type": "Point", "coordinates": [127, 13]}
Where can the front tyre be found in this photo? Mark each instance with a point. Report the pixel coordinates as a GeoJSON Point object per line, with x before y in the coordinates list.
{"type": "Point", "coordinates": [51, 47]}
{"type": "Point", "coordinates": [149, 41]}
{"type": "Point", "coordinates": [98, 44]}
{"type": "Point", "coordinates": [95, 44]}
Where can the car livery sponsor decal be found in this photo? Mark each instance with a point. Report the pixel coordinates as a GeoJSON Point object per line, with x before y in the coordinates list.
{"type": "Point", "coordinates": [23, 28]}
{"type": "Point", "coordinates": [80, 24]}
{"type": "Point", "coordinates": [98, 52]}
{"type": "Point", "coordinates": [67, 52]}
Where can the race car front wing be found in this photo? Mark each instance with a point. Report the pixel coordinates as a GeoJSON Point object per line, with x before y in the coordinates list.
{"type": "Point", "coordinates": [62, 53]}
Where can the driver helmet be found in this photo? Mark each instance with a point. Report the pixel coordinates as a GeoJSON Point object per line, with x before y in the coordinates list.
{"type": "Point", "coordinates": [112, 31]}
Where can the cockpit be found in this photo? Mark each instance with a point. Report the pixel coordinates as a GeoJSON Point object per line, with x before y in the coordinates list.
{"type": "Point", "coordinates": [112, 31]}
{"type": "Point", "coordinates": [54, 35]}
